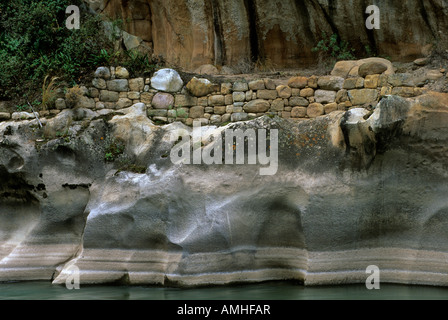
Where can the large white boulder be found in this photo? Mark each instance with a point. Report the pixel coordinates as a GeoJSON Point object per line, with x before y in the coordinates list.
{"type": "Point", "coordinates": [167, 80]}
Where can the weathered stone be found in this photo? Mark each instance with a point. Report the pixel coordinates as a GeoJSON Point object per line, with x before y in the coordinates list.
{"type": "Point", "coordinates": [239, 116]}
{"type": "Point", "coordinates": [133, 95]}
{"type": "Point", "coordinates": [85, 102]}
{"type": "Point", "coordinates": [257, 85]}
{"type": "Point", "coordinates": [216, 100]}
{"type": "Point", "coordinates": [228, 99]}
{"type": "Point", "coordinates": [342, 106]}
{"type": "Point", "coordinates": [200, 87]}
{"type": "Point", "coordinates": [362, 96]}
{"type": "Point", "coordinates": [121, 73]}
{"type": "Point", "coordinates": [298, 112]}
{"type": "Point", "coordinates": [94, 93]}
{"type": "Point", "coordinates": [284, 92]}
{"type": "Point", "coordinates": [99, 83]}
{"type": "Point", "coordinates": [226, 88]}
{"type": "Point", "coordinates": [109, 96]}
{"type": "Point", "coordinates": [5, 116]}
{"type": "Point", "coordinates": [123, 103]}
{"type": "Point", "coordinates": [249, 95]}
{"type": "Point", "coordinates": [207, 69]}
{"type": "Point", "coordinates": [130, 41]}
{"type": "Point", "coordinates": [256, 106]}
{"type": "Point", "coordinates": [330, 83]}
{"type": "Point", "coordinates": [157, 113]}
{"type": "Point", "coordinates": [203, 101]}
{"type": "Point", "coordinates": [312, 82]}
{"type": "Point", "coordinates": [22, 116]}
{"type": "Point", "coordinates": [167, 80]}
{"type": "Point", "coordinates": [162, 100]}
{"type": "Point", "coordinates": [99, 105]}
{"type": "Point", "coordinates": [196, 112]}
{"type": "Point", "coordinates": [382, 80]}
{"type": "Point", "coordinates": [401, 80]}
{"type": "Point", "coordinates": [240, 86]}
{"type": "Point", "coordinates": [226, 117]}
{"type": "Point", "coordinates": [434, 75]}
{"type": "Point", "coordinates": [298, 101]}
{"type": "Point", "coordinates": [298, 82]}
{"type": "Point", "coordinates": [286, 114]}
{"type": "Point", "coordinates": [329, 108]}
{"type": "Point", "coordinates": [182, 113]}
{"type": "Point", "coordinates": [371, 81]}
{"type": "Point", "coordinates": [385, 91]}
{"type": "Point", "coordinates": [307, 92]}
{"type": "Point", "coordinates": [209, 109]}
{"type": "Point", "coordinates": [102, 72]}
{"type": "Point", "coordinates": [421, 61]}
{"type": "Point", "coordinates": [172, 113]}
{"type": "Point", "coordinates": [219, 110]}
{"type": "Point", "coordinates": [183, 100]}
{"type": "Point", "coordinates": [315, 110]}
{"type": "Point", "coordinates": [269, 84]}
{"type": "Point", "coordinates": [60, 104]}
{"type": "Point", "coordinates": [351, 67]}
{"type": "Point", "coordinates": [341, 96]}
{"type": "Point", "coordinates": [370, 68]}
{"type": "Point", "coordinates": [136, 84]}
{"type": "Point", "coordinates": [278, 105]}
{"type": "Point", "coordinates": [403, 91]}
{"type": "Point", "coordinates": [325, 96]}
{"type": "Point", "coordinates": [118, 85]}
{"type": "Point", "coordinates": [215, 119]}
{"type": "Point", "coordinates": [239, 96]}
{"type": "Point", "coordinates": [267, 94]}
{"type": "Point", "coordinates": [350, 83]}
{"type": "Point", "coordinates": [146, 97]}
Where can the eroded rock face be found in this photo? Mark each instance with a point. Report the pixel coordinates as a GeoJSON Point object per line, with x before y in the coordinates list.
{"type": "Point", "coordinates": [352, 189]}
{"type": "Point", "coordinates": [227, 32]}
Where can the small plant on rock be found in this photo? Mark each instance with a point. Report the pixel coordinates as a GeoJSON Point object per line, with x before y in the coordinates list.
{"type": "Point", "coordinates": [114, 149]}
{"type": "Point", "coordinates": [334, 47]}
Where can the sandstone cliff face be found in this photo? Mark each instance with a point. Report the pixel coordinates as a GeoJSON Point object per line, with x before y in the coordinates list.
{"type": "Point", "coordinates": [227, 32]}
{"type": "Point", "coordinates": [352, 189]}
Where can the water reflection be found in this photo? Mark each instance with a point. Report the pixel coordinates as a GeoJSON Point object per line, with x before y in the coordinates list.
{"type": "Point", "coordinates": [265, 291]}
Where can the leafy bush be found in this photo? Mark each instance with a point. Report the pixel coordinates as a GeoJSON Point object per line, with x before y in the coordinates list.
{"type": "Point", "coordinates": [34, 42]}
{"type": "Point", "coordinates": [334, 47]}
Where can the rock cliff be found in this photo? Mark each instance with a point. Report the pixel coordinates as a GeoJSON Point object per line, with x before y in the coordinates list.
{"type": "Point", "coordinates": [352, 189]}
{"type": "Point", "coordinates": [280, 33]}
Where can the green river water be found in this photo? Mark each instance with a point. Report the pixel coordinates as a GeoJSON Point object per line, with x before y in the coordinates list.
{"type": "Point", "coordinates": [264, 291]}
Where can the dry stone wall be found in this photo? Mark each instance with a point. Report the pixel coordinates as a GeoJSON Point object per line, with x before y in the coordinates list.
{"type": "Point", "coordinates": [168, 99]}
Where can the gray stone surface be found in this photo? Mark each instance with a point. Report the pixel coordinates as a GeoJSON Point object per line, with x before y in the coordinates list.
{"type": "Point", "coordinates": [352, 188]}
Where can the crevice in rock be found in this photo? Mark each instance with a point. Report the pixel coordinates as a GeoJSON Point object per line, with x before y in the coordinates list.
{"type": "Point", "coordinates": [370, 33]}
{"type": "Point", "coordinates": [256, 52]}
{"type": "Point", "coordinates": [220, 54]}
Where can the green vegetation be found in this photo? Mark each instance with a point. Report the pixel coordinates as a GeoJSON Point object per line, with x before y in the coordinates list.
{"type": "Point", "coordinates": [333, 47]}
{"type": "Point", "coordinates": [38, 53]}
{"type": "Point", "coordinates": [34, 43]}
{"type": "Point", "coordinates": [114, 149]}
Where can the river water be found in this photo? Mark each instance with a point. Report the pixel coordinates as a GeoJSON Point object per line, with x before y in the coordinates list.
{"type": "Point", "coordinates": [264, 291]}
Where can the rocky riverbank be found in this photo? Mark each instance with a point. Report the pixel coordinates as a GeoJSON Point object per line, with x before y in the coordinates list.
{"type": "Point", "coordinates": [353, 188]}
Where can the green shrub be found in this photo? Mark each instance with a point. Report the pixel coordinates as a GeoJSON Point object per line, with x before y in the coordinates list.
{"type": "Point", "coordinates": [34, 42]}
{"type": "Point", "coordinates": [333, 47]}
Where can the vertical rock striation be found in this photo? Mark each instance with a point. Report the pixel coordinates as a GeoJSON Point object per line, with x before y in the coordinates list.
{"type": "Point", "coordinates": [280, 33]}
